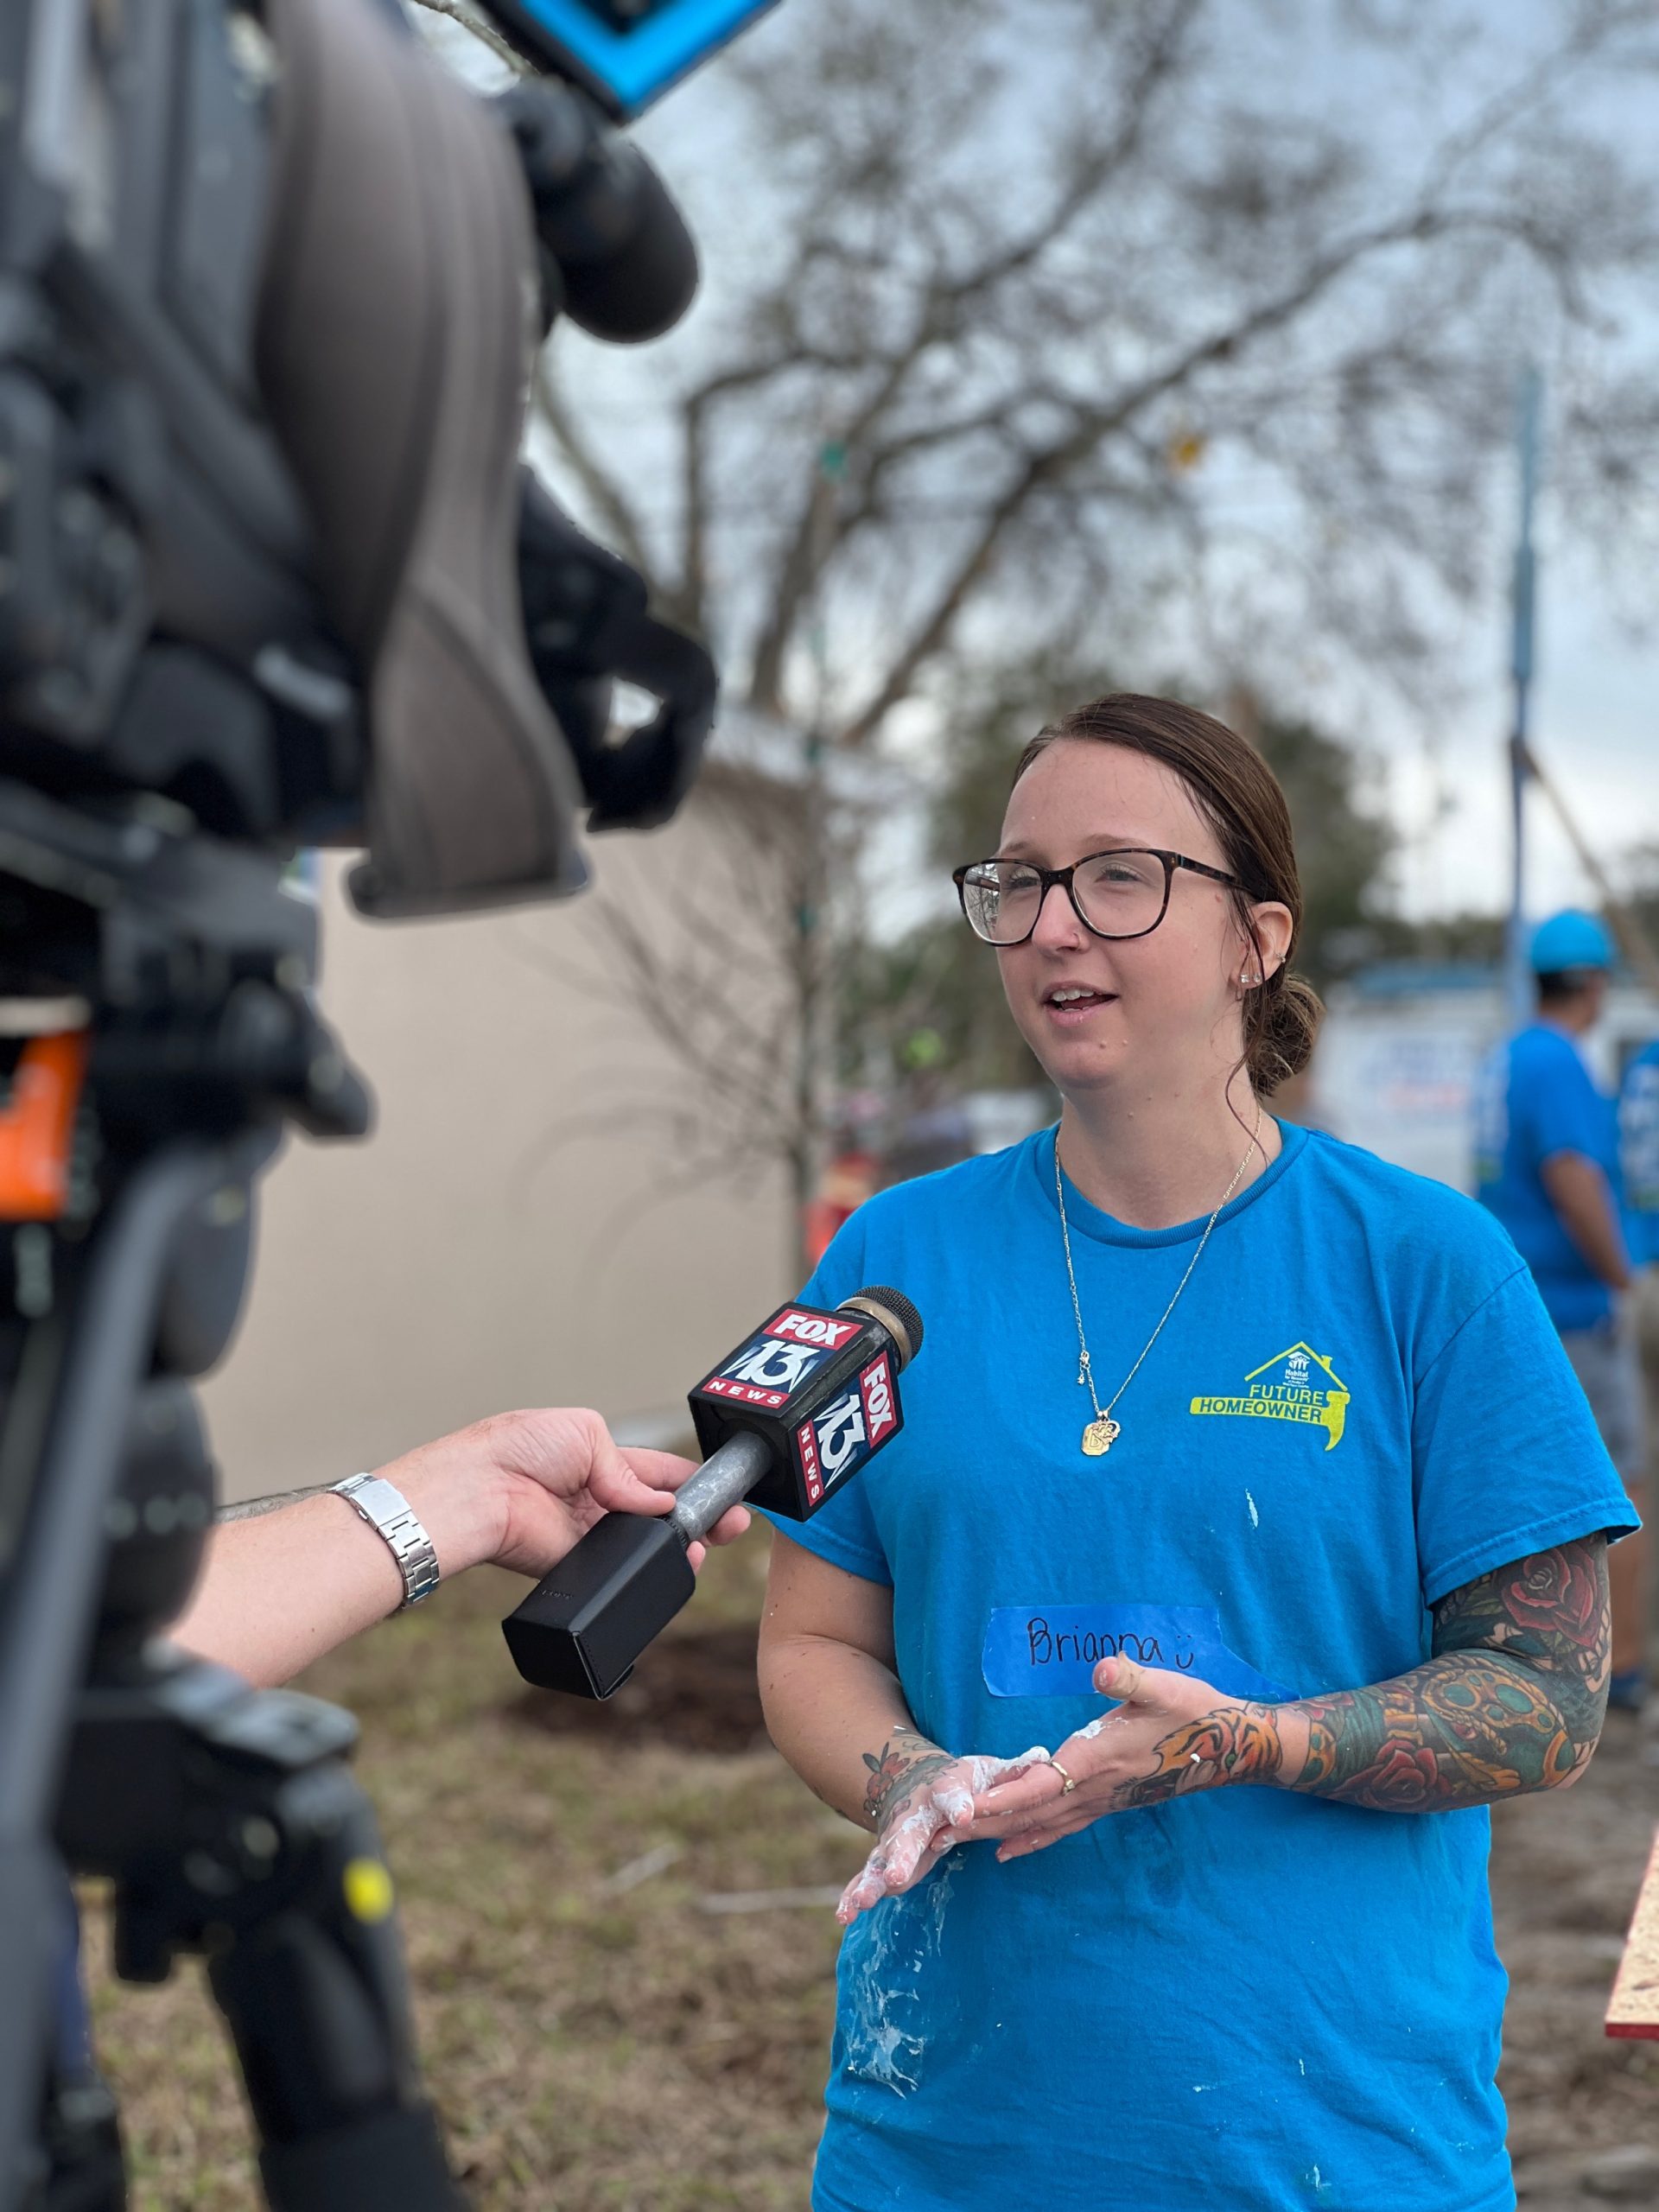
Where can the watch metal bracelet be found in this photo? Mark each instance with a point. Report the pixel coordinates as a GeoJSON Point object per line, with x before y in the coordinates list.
{"type": "Point", "coordinates": [387, 1511]}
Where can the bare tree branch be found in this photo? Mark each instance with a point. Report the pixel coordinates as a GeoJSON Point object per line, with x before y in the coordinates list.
{"type": "Point", "coordinates": [610, 503]}
{"type": "Point", "coordinates": [1049, 464]}
{"type": "Point", "coordinates": [482, 28]}
{"type": "Point", "coordinates": [690, 601]}
{"type": "Point", "coordinates": [942, 311]}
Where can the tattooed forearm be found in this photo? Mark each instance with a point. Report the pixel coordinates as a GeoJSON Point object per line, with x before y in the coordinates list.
{"type": "Point", "coordinates": [1511, 1701]}
{"type": "Point", "coordinates": [1460, 1729]}
{"type": "Point", "coordinates": [906, 1759]}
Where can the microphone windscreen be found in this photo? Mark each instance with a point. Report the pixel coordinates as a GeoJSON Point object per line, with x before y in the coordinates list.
{"type": "Point", "coordinates": [894, 1304]}
{"type": "Point", "coordinates": [641, 289]}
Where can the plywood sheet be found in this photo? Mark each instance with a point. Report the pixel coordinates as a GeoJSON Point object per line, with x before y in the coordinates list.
{"type": "Point", "coordinates": [1633, 2009]}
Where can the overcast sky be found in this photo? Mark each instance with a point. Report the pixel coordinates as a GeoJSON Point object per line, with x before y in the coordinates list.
{"type": "Point", "coordinates": [1595, 724]}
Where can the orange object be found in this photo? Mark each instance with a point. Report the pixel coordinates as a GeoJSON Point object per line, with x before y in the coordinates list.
{"type": "Point", "coordinates": [1633, 2009]}
{"type": "Point", "coordinates": [847, 1181]}
{"type": "Point", "coordinates": [37, 1127]}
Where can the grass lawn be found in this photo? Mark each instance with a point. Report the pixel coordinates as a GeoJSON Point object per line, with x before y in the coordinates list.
{"type": "Point", "coordinates": [590, 2051]}
{"type": "Point", "coordinates": [598, 2049]}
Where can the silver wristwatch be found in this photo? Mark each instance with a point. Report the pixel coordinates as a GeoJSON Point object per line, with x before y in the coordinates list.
{"type": "Point", "coordinates": [385, 1509]}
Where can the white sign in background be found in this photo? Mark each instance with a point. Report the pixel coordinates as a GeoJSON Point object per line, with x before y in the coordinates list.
{"type": "Point", "coordinates": [1398, 1075]}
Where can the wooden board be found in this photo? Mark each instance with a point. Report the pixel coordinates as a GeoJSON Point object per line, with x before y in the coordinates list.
{"type": "Point", "coordinates": [1634, 2007]}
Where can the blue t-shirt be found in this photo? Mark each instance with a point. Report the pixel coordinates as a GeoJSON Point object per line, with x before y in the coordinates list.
{"type": "Point", "coordinates": [1638, 1155]}
{"type": "Point", "coordinates": [1245, 1997]}
{"type": "Point", "coordinates": [1535, 1097]}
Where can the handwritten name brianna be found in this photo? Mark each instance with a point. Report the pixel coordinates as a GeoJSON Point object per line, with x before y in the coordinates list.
{"type": "Point", "coordinates": [1054, 1648]}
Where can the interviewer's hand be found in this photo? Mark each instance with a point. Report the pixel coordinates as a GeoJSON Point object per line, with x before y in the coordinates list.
{"type": "Point", "coordinates": [520, 1489]}
{"type": "Point", "coordinates": [297, 1577]}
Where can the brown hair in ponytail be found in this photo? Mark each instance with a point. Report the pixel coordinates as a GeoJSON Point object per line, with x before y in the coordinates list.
{"type": "Point", "coordinates": [1241, 797]}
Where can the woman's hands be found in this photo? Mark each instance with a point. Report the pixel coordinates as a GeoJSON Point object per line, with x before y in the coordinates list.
{"type": "Point", "coordinates": [919, 1797]}
{"type": "Point", "coordinates": [1169, 1735]}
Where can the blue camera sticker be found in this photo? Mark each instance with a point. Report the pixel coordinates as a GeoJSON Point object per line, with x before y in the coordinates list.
{"type": "Point", "coordinates": [627, 53]}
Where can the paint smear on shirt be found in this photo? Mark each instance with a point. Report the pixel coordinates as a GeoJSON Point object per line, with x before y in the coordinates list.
{"type": "Point", "coordinates": [1256, 1518]}
{"type": "Point", "coordinates": [883, 2013]}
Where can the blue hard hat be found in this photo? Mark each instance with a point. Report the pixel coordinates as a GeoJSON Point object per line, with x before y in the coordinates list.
{"type": "Point", "coordinates": [1571, 940]}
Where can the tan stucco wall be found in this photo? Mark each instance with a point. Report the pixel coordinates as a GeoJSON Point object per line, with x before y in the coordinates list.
{"type": "Point", "coordinates": [454, 1265]}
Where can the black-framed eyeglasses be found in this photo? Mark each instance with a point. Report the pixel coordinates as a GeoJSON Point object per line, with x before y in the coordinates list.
{"type": "Point", "coordinates": [1121, 893]}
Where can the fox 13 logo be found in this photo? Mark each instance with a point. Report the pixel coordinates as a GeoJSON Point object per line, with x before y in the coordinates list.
{"type": "Point", "coordinates": [769, 1370]}
{"type": "Point", "coordinates": [838, 1441]}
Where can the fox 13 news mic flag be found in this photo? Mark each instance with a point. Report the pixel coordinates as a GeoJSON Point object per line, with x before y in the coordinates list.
{"type": "Point", "coordinates": [784, 1421]}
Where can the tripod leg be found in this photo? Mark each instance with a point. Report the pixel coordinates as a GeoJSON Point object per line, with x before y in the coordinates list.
{"type": "Point", "coordinates": [80, 2130]}
{"type": "Point", "coordinates": [77, 1402]}
{"type": "Point", "coordinates": [316, 2000]}
{"type": "Point", "coordinates": [391, 2158]}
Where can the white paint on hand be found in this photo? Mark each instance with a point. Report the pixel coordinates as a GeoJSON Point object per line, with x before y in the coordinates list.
{"type": "Point", "coordinates": [903, 1848]}
{"type": "Point", "coordinates": [983, 1771]}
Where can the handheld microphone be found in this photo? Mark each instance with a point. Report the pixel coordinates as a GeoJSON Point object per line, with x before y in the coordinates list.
{"type": "Point", "coordinates": [625, 264]}
{"type": "Point", "coordinates": [784, 1421]}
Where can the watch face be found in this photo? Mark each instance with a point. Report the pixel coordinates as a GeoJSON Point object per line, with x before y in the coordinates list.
{"type": "Point", "coordinates": [627, 53]}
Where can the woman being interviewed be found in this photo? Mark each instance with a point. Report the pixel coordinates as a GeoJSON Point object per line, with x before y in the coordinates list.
{"type": "Point", "coordinates": [1271, 1446]}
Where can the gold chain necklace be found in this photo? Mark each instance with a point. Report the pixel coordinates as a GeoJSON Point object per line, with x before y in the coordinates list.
{"type": "Point", "coordinates": [1103, 1432]}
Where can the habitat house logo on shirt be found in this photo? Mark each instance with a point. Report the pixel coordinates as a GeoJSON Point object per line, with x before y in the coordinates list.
{"type": "Point", "coordinates": [1300, 1385]}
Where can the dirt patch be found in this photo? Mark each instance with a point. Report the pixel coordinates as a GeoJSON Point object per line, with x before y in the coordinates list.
{"type": "Point", "coordinates": [694, 1691]}
{"type": "Point", "coordinates": [1584, 2111]}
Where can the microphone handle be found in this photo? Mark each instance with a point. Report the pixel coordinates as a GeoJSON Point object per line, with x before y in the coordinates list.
{"type": "Point", "coordinates": [724, 1479]}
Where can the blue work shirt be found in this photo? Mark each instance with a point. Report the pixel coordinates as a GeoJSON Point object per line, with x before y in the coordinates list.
{"type": "Point", "coordinates": [1638, 1154]}
{"type": "Point", "coordinates": [1536, 1097]}
{"type": "Point", "coordinates": [1246, 1998]}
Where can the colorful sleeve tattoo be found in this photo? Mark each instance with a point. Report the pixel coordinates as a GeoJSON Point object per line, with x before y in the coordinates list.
{"type": "Point", "coordinates": [1511, 1701]}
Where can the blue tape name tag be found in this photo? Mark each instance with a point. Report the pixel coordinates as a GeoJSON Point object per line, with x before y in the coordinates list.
{"type": "Point", "coordinates": [1052, 1651]}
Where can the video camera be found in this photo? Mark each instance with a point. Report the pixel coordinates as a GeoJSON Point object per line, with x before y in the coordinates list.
{"type": "Point", "coordinates": [272, 575]}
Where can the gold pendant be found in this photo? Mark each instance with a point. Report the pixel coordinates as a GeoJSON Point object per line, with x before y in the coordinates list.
{"type": "Point", "coordinates": [1100, 1436]}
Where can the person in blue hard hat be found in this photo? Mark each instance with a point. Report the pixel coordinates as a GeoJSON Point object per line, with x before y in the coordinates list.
{"type": "Point", "coordinates": [1638, 1130]}
{"type": "Point", "coordinates": [1548, 1163]}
